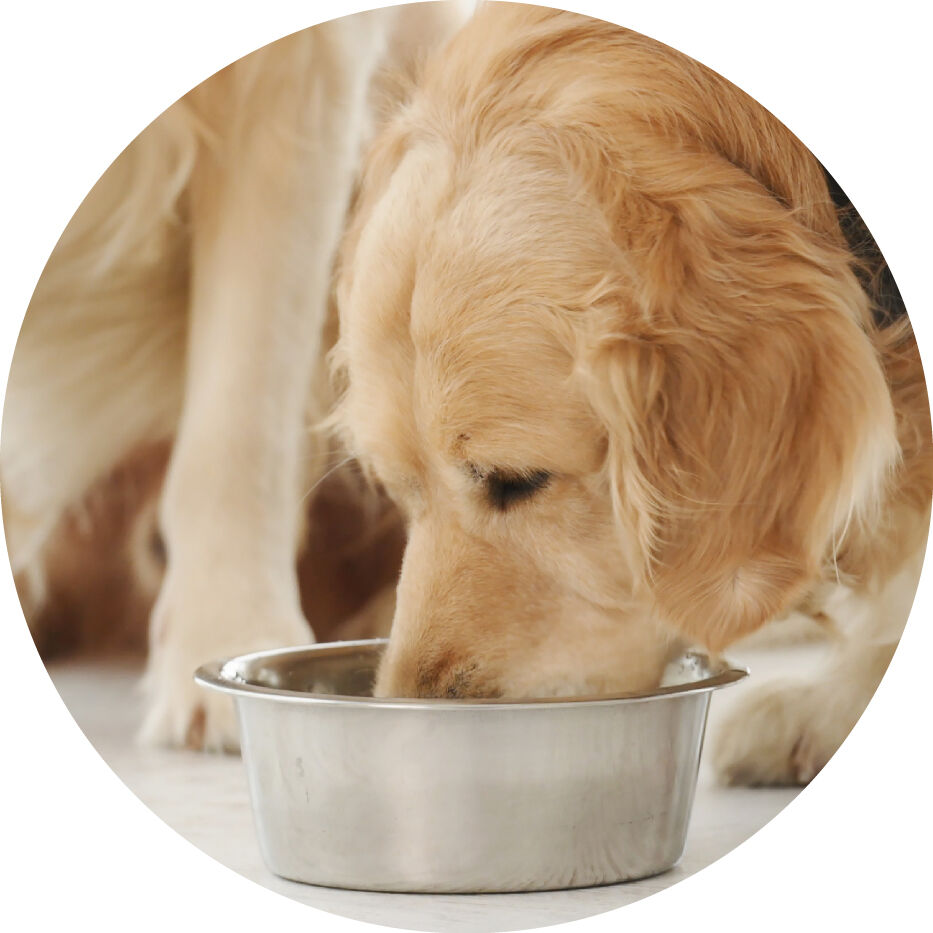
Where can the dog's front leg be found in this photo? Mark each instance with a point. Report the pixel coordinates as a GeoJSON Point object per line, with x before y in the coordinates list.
{"type": "Point", "coordinates": [787, 730]}
{"type": "Point", "coordinates": [267, 205]}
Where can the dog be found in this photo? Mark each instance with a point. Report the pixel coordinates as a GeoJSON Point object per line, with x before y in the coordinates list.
{"type": "Point", "coordinates": [604, 342]}
{"type": "Point", "coordinates": [185, 308]}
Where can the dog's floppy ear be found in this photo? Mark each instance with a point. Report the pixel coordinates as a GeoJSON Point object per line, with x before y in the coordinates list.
{"type": "Point", "coordinates": [747, 415]}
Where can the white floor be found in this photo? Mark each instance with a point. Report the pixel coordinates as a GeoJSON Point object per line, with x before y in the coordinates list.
{"type": "Point", "coordinates": [205, 799]}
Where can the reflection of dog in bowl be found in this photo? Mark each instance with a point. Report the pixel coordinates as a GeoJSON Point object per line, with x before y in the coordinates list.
{"type": "Point", "coordinates": [605, 344]}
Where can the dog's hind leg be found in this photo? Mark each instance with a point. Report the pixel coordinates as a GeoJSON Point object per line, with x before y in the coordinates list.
{"type": "Point", "coordinates": [267, 207]}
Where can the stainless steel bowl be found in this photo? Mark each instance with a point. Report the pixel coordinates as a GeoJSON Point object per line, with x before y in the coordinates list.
{"type": "Point", "coordinates": [462, 795]}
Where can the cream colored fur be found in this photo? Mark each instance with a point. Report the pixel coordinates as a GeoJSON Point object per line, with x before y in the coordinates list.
{"type": "Point", "coordinates": [575, 255]}
{"type": "Point", "coordinates": [187, 299]}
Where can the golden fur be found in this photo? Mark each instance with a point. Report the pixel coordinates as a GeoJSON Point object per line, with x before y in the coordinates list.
{"type": "Point", "coordinates": [601, 339]}
{"type": "Point", "coordinates": [589, 276]}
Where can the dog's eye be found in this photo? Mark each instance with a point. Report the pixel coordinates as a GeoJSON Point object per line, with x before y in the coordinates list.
{"type": "Point", "coordinates": [505, 489]}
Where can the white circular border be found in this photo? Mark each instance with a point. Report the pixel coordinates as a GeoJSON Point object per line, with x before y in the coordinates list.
{"type": "Point", "coordinates": [81, 80]}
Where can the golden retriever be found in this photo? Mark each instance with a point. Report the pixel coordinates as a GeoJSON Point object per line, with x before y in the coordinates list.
{"type": "Point", "coordinates": [603, 341]}
{"type": "Point", "coordinates": [186, 305]}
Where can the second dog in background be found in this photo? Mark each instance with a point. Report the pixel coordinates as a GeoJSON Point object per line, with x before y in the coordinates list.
{"type": "Point", "coordinates": [186, 306]}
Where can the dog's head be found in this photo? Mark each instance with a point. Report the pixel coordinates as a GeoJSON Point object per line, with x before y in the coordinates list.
{"type": "Point", "coordinates": [603, 347]}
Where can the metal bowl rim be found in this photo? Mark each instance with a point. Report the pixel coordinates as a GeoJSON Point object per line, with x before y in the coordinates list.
{"type": "Point", "coordinates": [211, 675]}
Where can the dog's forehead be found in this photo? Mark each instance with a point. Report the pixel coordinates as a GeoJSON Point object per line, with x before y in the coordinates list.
{"type": "Point", "coordinates": [508, 232]}
{"type": "Point", "coordinates": [468, 284]}
{"type": "Point", "coordinates": [492, 376]}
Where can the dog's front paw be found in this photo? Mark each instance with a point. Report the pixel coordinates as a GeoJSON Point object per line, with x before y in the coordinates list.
{"type": "Point", "coordinates": [180, 714]}
{"type": "Point", "coordinates": [185, 635]}
{"type": "Point", "coordinates": [781, 735]}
